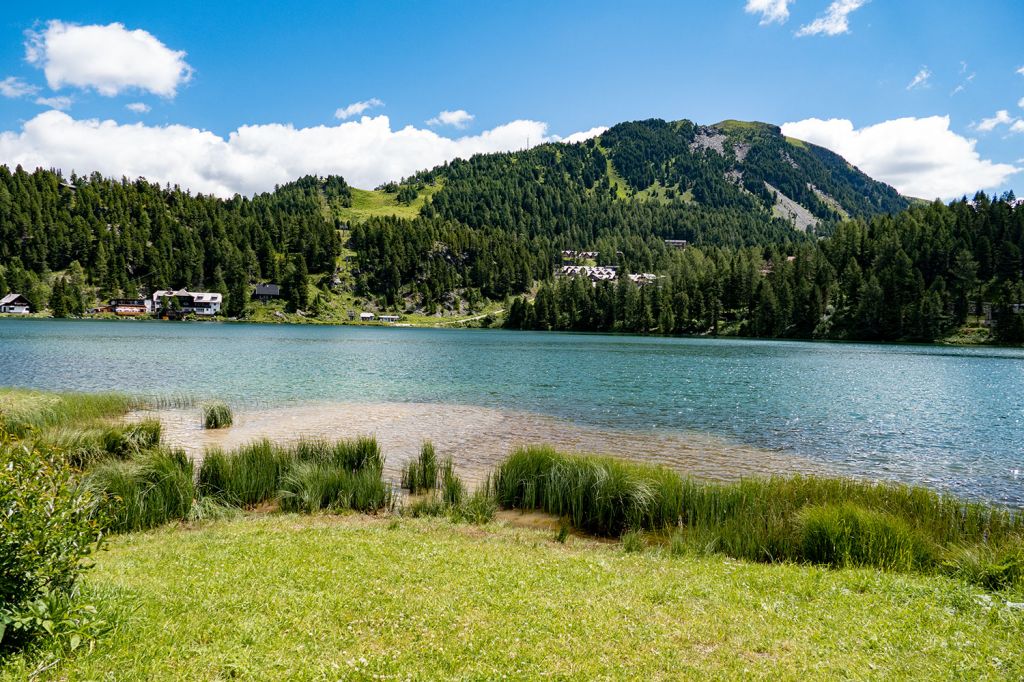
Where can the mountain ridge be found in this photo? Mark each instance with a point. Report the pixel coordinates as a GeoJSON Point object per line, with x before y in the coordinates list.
{"type": "Point", "coordinates": [690, 174]}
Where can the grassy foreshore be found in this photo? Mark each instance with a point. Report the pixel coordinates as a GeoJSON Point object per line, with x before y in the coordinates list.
{"type": "Point", "coordinates": [598, 568]}
{"type": "Point", "coordinates": [275, 597]}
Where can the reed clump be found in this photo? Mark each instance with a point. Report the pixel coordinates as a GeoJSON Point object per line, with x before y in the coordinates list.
{"type": "Point", "coordinates": [246, 476]}
{"type": "Point", "coordinates": [217, 415]}
{"type": "Point", "coordinates": [263, 471]}
{"type": "Point", "coordinates": [421, 474]}
{"type": "Point", "coordinates": [148, 490]}
{"type": "Point", "coordinates": [838, 522]}
{"type": "Point", "coordinates": [314, 486]}
{"type": "Point", "coordinates": [84, 446]}
{"type": "Point", "coordinates": [25, 411]}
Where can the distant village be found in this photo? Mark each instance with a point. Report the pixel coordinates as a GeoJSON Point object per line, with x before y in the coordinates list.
{"type": "Point", "coordinates": [574, 264]}
{"type": "Point", "coordinates": [175, 304]}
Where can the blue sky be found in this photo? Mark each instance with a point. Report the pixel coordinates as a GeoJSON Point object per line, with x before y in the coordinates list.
{"type": "Point", "coordinates": [280, 72]}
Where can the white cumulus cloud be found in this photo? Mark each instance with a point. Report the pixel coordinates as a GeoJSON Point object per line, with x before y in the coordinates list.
{"type": "Point", "coordinates": [1021, 103]}
{"type": "Point", "coordinates": [921, 79]}
{"type": "Point", "coordinates": [109, 59]}
{"type": "Point", "coordinates": [1021, 70]}
{"type": "Point", "coordinates": [137, 107]}
{"type": "Point", "coordinates": [14, 87]}
{"type": "Point", "coordinates": [1017, 127]}
{"type": "Point", "coordinates": [835, 21]}
{"type": "Point", "coordinates": [920, 157]}
{"type": "Point", "coordinates": [460, 118]}
{"type": "Point", "coordinates": [357, 108]}
{"type": "Point", "coordinates": [59, 102]}
{"type": "Point", "coordinates": [771, 11]}
{"type": "Point", "coordinates": [1002, 118]}
{"type": "Point", "coordinates": [252, 158]}
{"type": "Point", "coordinates": [584, 135]}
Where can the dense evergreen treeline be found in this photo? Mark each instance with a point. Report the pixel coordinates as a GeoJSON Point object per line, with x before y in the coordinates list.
{"type": "Point", "coordinates": [916, 275]}
{"type": "Point", "coordinates": [495, 225]}
{"type": "Point", "coordinates": [428, 258]}
{"type": "Point", "coordinates": [123, 236]}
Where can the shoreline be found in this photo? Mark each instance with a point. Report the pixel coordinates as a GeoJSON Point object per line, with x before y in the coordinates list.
{"type": "Point", "coordinates": [457, 325]}
{"type": "Point", "coordinates": [477, 438]}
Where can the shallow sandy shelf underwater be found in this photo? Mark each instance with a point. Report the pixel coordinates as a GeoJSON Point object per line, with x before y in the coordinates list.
{"type": "Point", "coordinates": [476, 438]}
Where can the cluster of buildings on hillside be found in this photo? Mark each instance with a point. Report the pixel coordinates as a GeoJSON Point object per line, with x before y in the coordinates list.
{"type": "Point", "coordinates": [603, 273]}
{"type": "Point", "coordinates": [572, 267]}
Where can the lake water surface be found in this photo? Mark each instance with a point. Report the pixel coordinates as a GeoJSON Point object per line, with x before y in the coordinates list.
{"type": "Point", "coordinates": [949, 418]}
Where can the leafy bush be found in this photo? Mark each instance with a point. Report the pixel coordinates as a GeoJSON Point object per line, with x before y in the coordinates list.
{"type": "Point", "coordinates": [217, 415]}
{"type": "Point", "coordinates": [48, 525]}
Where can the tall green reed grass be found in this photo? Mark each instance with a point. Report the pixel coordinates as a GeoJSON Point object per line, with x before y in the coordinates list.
{"type": "Point", "coordinates": [421, 474]}
{"type": "Point", "coordinates": [257, 472]}
{"type": "Point", "coordinates": [314, 486]}
{"type": "Point", "coordinates": [838, 522]}
{"type": "Point", "coordinates": [87, 445]}
{"type": "Point", "coordinates": [23, 411]}
{"type": "Point", "coordinates": [150, 489]}
{"type": "Point", "coordinates": [217, 415]}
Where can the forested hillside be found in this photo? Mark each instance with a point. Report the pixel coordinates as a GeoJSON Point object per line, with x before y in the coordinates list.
{"type": "Point", "coordinates": [730, 184]}
{"type": "Point", "coordinates": [785, 239]}
{"type": "Point", "coordinates": [916, 276]}
{"type": "Point", "coordinates": [124, 236]}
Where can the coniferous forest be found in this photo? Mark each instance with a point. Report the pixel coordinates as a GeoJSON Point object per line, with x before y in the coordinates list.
{"type": "Point", "coordinates": [858, 262]}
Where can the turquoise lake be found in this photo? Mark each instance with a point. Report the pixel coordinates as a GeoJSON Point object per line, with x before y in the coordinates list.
{"type": "Point", "coordinates": [949, 418]}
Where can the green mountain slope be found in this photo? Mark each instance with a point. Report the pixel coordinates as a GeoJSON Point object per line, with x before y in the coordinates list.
{"type": "Point", "coordinates": [730, 183]}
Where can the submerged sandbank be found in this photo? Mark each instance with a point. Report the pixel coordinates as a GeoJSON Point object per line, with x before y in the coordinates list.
{"type": "Point", "coordinates": [477, 438]}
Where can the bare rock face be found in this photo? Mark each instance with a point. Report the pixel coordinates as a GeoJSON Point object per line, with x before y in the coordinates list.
{"type": "Point", "coordinates": [787, 209]}
{"type": "Point", "coordinates": [709, 138]}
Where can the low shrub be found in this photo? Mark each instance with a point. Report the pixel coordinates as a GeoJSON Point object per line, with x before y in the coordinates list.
{"type": "Point", "coordinates": [217, 415]}
{"type": "Point", "coordinates": [48, 525]}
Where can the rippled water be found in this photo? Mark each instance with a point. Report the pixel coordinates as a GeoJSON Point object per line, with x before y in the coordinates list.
{"type": "Point", "coordinates": [951, 418]}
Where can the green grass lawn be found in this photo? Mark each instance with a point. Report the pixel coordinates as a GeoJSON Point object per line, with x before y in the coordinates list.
{"type": "Point", "coordinates": [368, 203]}
{"type": "Point", "coordinates": [298, 597]}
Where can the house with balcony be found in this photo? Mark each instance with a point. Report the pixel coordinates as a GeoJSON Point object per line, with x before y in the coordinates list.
{"type": "Point", "coordinates": [205, 303]}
